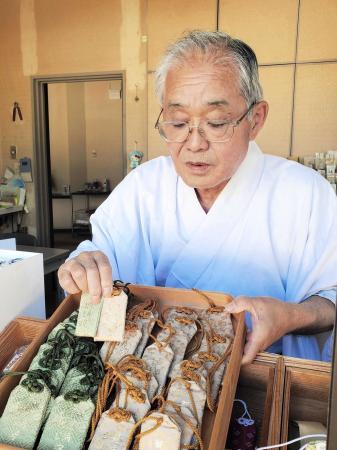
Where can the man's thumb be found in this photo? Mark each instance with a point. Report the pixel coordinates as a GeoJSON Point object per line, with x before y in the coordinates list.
{"type": "Point", "coordinates": [238, 305]}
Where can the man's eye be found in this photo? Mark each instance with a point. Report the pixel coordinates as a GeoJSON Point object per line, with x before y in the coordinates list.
{"type": "Point", "coordinates": [178, 124]}
{"type": "Point", "coordinates": [217, 124]}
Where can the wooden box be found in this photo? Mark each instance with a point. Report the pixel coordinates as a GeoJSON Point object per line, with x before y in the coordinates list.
{"type": "Point", "coordinates": [260, 386]}
{"type": "Point", "coordinates": [306, 393]}
{"type": "Point", "coordinates": [214, 426]}
{"type": "Point", "coordinates": [20, 331]}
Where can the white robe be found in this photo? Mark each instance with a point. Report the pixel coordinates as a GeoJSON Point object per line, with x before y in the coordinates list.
{"type": "Point", "coordinates": [272, 231]}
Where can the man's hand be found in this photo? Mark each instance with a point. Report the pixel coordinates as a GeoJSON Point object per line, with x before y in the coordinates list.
{"type": "Point", "coordinates": [271, 319]}
{"type": "Point", "coordinates": [88, 272]}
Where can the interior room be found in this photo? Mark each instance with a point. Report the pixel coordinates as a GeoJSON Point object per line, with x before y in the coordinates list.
{"type": "Point", "coordinates": [126, 207]}
{"type": "Point", "coordinates": [82, 116]}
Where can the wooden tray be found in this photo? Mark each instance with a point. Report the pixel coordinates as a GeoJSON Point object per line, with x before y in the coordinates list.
{"type": "Point", "coordinates": [306, 394]}
{"type": "Point", "coordinates": [260, 385]}
{"type": "Point", "coordinates": [21, 331]}
{"type": "Point", "coordinates": [214, 426]}
{"type": "Point", "coordinates": [18, 332]}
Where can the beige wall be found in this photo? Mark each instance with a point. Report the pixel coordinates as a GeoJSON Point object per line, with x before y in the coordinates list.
{"type": "Point", "coordinates": [69, 36]}
{"type": "Point", "coordinates": [76, 135]}
{"type": "Point", "coordinates": [15, 85]}
{"type": "Point", "coordinates": [299, 95]}
{"type": "Point", "coordinates": [58, 134]}
{"type": "Point", "coordinates": [103, 118]}
{"type": "Point", "coordinates": [302, 97]}
{"type": "Point", "coordinates": [82, 120]}
{"type": "Point", "coordinates": [1, 165]}
{"type": "Point", "coordinates": [85, 133]}
{"type": "Point", "coordinates": [76, 36]}
{"type": "Point", "coordinates": [164, 25]}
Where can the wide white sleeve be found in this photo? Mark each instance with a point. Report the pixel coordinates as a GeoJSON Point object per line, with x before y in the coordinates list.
{"type": "Point", "coordinates": [120, 231]}
{"type": "Point", "coordinates": [329, 295]}
{"type": "Point", "coordinates": [108, 223]}
{"type": "Point", "coordinates": [103, 237]}
{"type": "Point", "coordinates": [313, 262]}
{"type": "Point", "coordinates": [313, 266]}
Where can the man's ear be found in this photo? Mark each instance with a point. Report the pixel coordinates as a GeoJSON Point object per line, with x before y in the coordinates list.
{"type": "Point", "coordinates": [260, 113]}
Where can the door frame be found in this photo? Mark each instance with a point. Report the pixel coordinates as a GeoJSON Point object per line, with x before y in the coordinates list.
{"type": "Point", "coordinates": [41, 147]}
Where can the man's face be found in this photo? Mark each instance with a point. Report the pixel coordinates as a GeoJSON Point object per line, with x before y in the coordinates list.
{"type": "Point", "coordinates": [201, 91]}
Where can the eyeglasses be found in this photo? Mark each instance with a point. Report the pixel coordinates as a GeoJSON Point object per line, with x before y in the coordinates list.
{"type": "Point", "coordinates": [211, 130]}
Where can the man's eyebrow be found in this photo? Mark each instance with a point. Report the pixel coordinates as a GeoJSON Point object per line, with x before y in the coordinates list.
{"type": "Point", "coordinates": [175, 105]}
{"type": "Point", "coordinates": [218, 103]}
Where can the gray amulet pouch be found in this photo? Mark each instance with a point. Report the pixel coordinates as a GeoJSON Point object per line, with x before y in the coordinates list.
{"type": "Point", "coordinates": [113, 352]}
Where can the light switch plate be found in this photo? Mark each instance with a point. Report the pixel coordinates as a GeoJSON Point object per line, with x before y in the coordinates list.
{"type": "Point", "coordinates": [12, 151]}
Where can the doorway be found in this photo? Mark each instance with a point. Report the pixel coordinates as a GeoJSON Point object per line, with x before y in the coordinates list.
{"type": "Point", "coordinates": [79, 145]}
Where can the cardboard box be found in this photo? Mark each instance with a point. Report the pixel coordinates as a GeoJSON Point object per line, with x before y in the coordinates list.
{"type": "Point", "coordinates": [21, 286]}
{"type": "Point", "coordinates": [214, 426]}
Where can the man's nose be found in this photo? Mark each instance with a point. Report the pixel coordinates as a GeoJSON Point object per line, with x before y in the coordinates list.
{"type": "Point", "coordinates": [196, 140]}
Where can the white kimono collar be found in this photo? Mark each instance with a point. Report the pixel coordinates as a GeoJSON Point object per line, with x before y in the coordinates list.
{"type": "Point", "coordinates": [216, 226]}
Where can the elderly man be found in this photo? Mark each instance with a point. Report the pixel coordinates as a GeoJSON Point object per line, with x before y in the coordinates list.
{"type": "Point", "coordinates": [218, 214]}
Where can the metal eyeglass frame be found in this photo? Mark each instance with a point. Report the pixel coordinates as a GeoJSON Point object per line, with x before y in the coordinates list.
{"type": "Point", "coordinates": [201, 131]}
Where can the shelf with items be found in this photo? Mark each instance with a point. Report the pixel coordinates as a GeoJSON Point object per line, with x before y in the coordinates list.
{"type": "Point", "coordinates": [81, 216]}
{"type": "Point", "coordinates": [325, 163]}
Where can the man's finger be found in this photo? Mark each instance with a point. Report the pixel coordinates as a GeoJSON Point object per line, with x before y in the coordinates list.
{"type": "Point", "coordinates": [66, 281]}
{"type": "Point", "coordinates": [240, 304]}
{"type": "Point", "coordinates": [251, 349]}
{"type": "Point", "coordinates": [105, 272]}
{"type": "Point", "coordinates": [78, 274]}
{"type": "Point", "coordinates": [93, 278]}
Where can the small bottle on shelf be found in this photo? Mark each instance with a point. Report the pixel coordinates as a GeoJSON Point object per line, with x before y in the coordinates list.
{"type": "Point", "coordinates": [106, 185]}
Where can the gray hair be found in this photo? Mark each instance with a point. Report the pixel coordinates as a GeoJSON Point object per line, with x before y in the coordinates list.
{"type": "Point", "coordinates": [222, 50]}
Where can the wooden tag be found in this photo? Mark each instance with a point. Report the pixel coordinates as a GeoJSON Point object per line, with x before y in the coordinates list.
{"type": "Point", "coordinates": [88, 317]}
{"type": "Point", "coordinates": [112, 321]}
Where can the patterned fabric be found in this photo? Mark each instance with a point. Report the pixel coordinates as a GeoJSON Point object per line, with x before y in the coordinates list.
{"type": "Point", "coordinates": [67, 425]}
{"type": "Point", "coordinates": [69, 418]}
{"type": "Point", "coordinates": [29, 404]}
{"type": "Point", "coordinates": [23, 416]}
{"type": "Point", "coordinates": [242, 437]}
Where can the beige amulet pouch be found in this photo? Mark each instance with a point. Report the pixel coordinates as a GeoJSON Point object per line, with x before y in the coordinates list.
{"type": "Point", "coordinates": [113, 430]}
{"type": "Point", "coordinates": [188, 424]}
{"type": "Point", "coordinates": [145, 315]}
{"type": "Point", "coordinates": [159, 355]}
{"type": "Point", "coordinates": [113, 352]}
{"type": "Point", "coordinates": [133, 387]}
{"type": "Point", "coordinates": [189, 393]}
{"type": "Point", "coordinates": [214, 352]}
{"type": "Point", "coordinates": [215, 346]}
{"type": "Point", "coordinates": [134, 395]}
{"type": "Point", "coordinates": [184, 324]}
{"type": "Point", "coordinates": [158, 431]}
